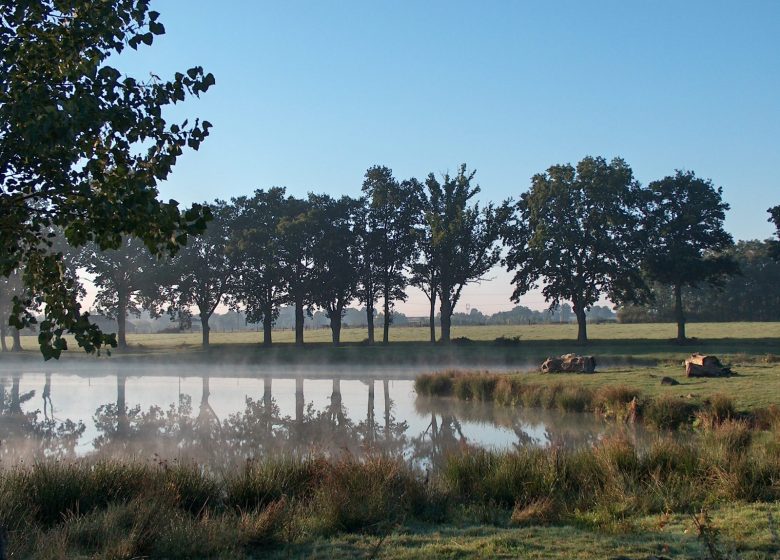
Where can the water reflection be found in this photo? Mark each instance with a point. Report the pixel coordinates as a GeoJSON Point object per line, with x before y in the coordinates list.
{"type": "Point", "coordinates": [25, 435]}
{"type": "Point", "coordinates": [252, 424]}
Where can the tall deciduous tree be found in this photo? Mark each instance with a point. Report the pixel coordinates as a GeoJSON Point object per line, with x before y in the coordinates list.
{"type": "Point", "coordinates": [774, 217]}
{"type": "Point", "coordinates": [123, 277]}
{"type": "Point", "coordinates": [201, 274]}
{"type": "Point", "coordinates": [368, 267]}
{"type": "Point", "coordinates": [257, 247]}
{"type": "Point", "coordinates": [393, 213]}
{"type": "Point", "coordinates": [82, 147]}
{"type": "Point", "coordinates": [296, 255]}
{"type": "Point", "coordinates": [425, 269]}
{"type": "Point", "coordinates": [336, 256]}
{"type": "Point", "coordinates": [577, 232]}
{"type": "Point", "coordinates": [687, 240]}
{"type": "Point", "coordinates": [462, 235]}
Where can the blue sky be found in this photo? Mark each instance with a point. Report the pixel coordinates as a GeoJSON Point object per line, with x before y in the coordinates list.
{"type": "Point", "coordinates": [310, 94]}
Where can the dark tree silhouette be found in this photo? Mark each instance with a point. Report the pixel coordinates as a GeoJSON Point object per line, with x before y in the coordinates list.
{"type": "Point", "coordinates": [83, 147]}
{"type": "Point", "coordinates": [201, 274]}
{"type": "Point", "coordinates": [336, 256]}
{"type": "Point", "coordinates": [257, 248]}
{"type": "Point", "coordinates": [123, 278]}
{"type": "Point", "coordinates": [392, 217]}
{"type": "Point", "coordinates": [684, 221]}
{"type": "Point", "coordinates": [577, 230]}
{"type": "Point", "coordinates": [296, 255]}
{"type": "Point", "coordinates": [774, 217]}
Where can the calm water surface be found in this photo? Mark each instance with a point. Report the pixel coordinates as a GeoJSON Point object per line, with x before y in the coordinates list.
{"type": "Point", "coordinates": [221, 416]}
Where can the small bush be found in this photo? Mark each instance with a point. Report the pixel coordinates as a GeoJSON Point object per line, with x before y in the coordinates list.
{"type": "Point", "coordinates": [574, 398]}
{"type": "Point", "coordinates": [669, 413]}
{"type": "Point", "coordinates": [537, 512]}
{"type": "Point", "coordinates": [721, 407]}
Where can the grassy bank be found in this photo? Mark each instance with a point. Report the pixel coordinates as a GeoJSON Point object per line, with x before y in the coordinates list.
{"type": "Point", "coordinates": [522, 346]}
{"type": "Point", "coordinates": [303, 507]}
{"type": "Point", "coordinates": [757, 386]}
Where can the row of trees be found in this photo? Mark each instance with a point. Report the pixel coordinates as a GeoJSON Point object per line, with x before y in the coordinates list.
{"type": "Point", "coordinates": [579, 233]}
{"type": "Point", "coordinates": [272, 249]}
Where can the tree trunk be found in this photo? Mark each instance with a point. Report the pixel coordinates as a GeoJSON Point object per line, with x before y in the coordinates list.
{"type": "Point", "coordinates": [299, 322]}
{"type": "Point", "coordinates": [679, 314]}
{"type": "Point", "coordinates": [3, 346]}
{"type": "Point", "coordinates": [446, 318]}
{"type": "Point", "coordinates": [204, 329]}
{"type": "Point", "coordinates": [432, 321]}
{"type": "Point", "coordinates": [121, 317]}
{"type": "Point", "coordinates": [17, 340]}
{"type": "Point", "coordinates": [370, 321]}
{"type": "Point", "coordinates": [388, 320]}
{"type": "Point", "coordinates": [335, 326]}
{"type": "Point", "coordinates": [386, 387]}
{"type": "Point", "coordinates": [582, 325]}
{"type": "Point", "coordinates": [268, 325]}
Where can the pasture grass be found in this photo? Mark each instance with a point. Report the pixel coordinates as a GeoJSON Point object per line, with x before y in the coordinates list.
{"type": "Point", "coordinates": [478, 501]}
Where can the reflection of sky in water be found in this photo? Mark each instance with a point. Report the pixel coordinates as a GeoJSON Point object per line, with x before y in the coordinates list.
{"type": "Point", "coordinates": [77, 397]}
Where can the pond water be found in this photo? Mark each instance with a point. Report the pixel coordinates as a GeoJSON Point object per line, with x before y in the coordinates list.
{"type": "Point", "coordinates": [219, 416]}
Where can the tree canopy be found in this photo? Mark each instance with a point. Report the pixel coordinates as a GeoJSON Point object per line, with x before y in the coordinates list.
{"type": "Point", "coordinates": [687, 240]}
{"type": "Point", "coordinates": [774, 217]}
{"type": "Point", "coordinates": [578, 231]}
{"type": "Point", "coordinates": [83, 147]}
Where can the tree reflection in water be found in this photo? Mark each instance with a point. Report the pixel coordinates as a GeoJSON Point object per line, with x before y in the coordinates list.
{"type": "Point", "coordinates": [260, 430]}
{"type": "Point", "coordinates": [25, 436]}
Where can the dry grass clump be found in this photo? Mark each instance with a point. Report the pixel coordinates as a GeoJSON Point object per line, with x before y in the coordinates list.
{"type": "Point", "coordinates": [541, 511]}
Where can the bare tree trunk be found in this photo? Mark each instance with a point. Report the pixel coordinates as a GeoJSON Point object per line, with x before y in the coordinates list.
{"type": "Point", "coordinates": [432, 320]}
{"type": "Point", "coordinates": [268, 325]}
{"type": "Point", "coordinates": [335, 326]}
{"type": "Point", "coordinates": [388, 319]}
{"type": "Point", "coordinates": [299, 322]}
{"type": "Point", "coordinates": [16, 336]}
{"type": "Point", "coordinates": [370, 321]}
{"type": "Point", "coordinates": [204, 329]}
{"type": "Point", "coordinates": [446, 317]}
{"type": "Point", "coordinates": [121, 320]}
{"type": "Point", "coordinates": [3, 346]}
{"type": "Point", "coordinates": [679, 314]}
{"type": "Point", "coordinates": [582, 325]}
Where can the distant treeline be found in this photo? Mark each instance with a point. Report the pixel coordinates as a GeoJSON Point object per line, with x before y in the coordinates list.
{"type": "Point", "coordinates": [232, 321]}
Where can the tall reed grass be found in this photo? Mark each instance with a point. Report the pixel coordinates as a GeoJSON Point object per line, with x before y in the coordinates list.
{"type": "Point", "coordinates": [110, 509]}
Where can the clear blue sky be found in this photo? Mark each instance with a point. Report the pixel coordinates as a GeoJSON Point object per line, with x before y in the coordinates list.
{"type": "Point", "coordinates": [310, 94]}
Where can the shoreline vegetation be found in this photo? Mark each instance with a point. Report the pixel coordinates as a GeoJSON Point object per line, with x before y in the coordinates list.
{"type": "Point", "coordinates": [284, 506]}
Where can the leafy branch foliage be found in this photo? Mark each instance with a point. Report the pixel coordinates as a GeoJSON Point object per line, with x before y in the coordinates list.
{"type": "Point", "coordinates": [82, 149]}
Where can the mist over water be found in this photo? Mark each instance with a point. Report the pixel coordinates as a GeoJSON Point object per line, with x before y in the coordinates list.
{"type": "Point", "coordinates": [223, 416]}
